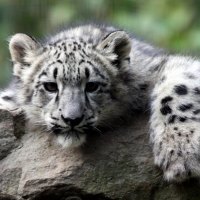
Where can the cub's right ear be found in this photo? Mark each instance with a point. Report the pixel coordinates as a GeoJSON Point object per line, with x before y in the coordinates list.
{"type": "Point", "coordinates": [116, 46]}
{"type": "Point", "coordinates": [21, 47]}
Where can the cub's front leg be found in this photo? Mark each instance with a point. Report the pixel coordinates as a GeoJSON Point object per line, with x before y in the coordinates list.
{"type": "Point", "coordinates": [175, 121]}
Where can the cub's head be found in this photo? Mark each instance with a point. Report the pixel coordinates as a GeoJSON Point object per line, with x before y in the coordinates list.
{"type": "Point", "coordinates": [71, 85]}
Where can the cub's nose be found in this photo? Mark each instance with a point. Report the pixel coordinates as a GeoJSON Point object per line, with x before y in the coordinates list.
{"type": "Point", "coordinates": [72, 122]}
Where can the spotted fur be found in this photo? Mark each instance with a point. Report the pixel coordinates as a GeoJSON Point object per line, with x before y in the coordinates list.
{"type": "Point", "coordinates": [175, 119]}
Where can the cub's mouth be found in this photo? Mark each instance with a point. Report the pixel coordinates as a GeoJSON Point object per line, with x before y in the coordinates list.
{"type": "Point", "coordinates": [63, 131]}
{"type": "Point", "coordinates": [72, 131]}
{"type": "Point", "coordinates": [69, 138]}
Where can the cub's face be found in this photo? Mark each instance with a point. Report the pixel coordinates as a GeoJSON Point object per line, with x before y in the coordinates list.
{"type": "Point", "coordinates": [70, 86]}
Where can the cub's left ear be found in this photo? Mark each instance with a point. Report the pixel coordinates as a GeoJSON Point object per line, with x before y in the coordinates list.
{"type": "Point", "coordinates": [116, 46]}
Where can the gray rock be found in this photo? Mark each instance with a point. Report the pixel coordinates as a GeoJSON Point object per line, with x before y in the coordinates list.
{"type": "Point", "coordinates": [7, 197]}
{"type": "Point", "coordinates": [113, 165]}
{"type": "Point", "coordinates": [7, 137]}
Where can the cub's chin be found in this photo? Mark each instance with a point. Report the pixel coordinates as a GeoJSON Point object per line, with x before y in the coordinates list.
{"type": "Point", "coordinates": [72, 140]}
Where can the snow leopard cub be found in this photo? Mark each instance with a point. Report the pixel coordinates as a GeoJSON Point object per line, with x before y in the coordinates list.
{"type": "Point", "coordinates": [83, 78]}
{"type": "Point", "coordinates": [73, 82]}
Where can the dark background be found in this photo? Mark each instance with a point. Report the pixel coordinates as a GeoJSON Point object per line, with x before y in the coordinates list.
{"type": "Point", "coordinates": [170, 24]}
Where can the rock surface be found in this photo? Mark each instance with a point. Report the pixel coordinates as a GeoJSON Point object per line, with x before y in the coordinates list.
{"type": "Point", "coordinates": [115, 165]}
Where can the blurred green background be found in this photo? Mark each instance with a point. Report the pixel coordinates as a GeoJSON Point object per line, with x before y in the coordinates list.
{"type": "Point", "coordinates": [170, 24]}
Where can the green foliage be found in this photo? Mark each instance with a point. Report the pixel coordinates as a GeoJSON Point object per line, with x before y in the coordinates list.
{"type": "Point", "coordinates": [171, 24]}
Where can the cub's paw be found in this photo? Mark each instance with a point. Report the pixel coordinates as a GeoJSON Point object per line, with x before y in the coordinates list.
{"type": "Point", "coordinates": [178, 164]}
{"type": "Point", "coordinates": [177, 171]}
{"type": "Point", "coordinates": [173, 165]}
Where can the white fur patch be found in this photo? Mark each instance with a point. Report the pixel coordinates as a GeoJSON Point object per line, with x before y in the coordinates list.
{"type": "Point", "coordinates": [72, 141]}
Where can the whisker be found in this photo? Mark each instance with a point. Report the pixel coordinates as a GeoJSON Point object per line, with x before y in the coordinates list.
{"type": "Point", "coordinates": [98, 130]}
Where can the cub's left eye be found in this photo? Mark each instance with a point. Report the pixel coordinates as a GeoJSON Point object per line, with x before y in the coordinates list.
{"type": "Point", "coordinates": [50, 86]}
{"type": "Point", "coordinates": [92, 87]}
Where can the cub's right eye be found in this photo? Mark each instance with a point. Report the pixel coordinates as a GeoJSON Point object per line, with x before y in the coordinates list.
{"type": "Point", "coordinates": [50, 86]}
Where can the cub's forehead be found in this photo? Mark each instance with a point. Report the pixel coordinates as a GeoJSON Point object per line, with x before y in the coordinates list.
{"type": "Point", "coordinates": [71, 60]}
{"type": "Point", "coordinates": [69, 47]}
{"type": "Point", "coordinates": [68, 52]}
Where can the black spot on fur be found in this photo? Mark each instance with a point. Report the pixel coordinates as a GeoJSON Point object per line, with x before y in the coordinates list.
{"type": "Point", "coordinates": [87, 72]}
{"type": "Point", "coordinates": [196, 91]}
{"type": "Point", "coordinates": [80, 62]}
{"type": "Point", "coordinates": [172, 152]}
{"type": "Point", "coordinates": [163, 79]}
{"type": "Point", "coordinates": [7, 98]}
{"type": "Point", "coordinates": [190, 76]}
{"type": "Point", "coordinates": [60, 61]}
{"type": "Point", "coordinates": [196, 111]}
{"type": "Point", "coordinates": [58, 55]}
{"type": "Point", "coordinates": [182, 119]}
{"type": "Point", "coordinates": [156, 68]}
{"type": "Point", "coordinates": [166, 99]}
{"type": "Point", "coordinates": [185, 107]}
{"type": "Point", "coordinates": [179, 153]}
{"type": "Point", "coordinates": [75, 43]}
{"type": "Point", "coordinates": [79, 72]}
{"type": "Point", "coordinates": [116, 62]}
{"type": "Point", "coordinates": [171, 119]}
{"type": "Point", "coordinates": [181, 89]}
{"type": "Point", "coordinates": [84, 52]}
{"type": "Point", "coordinates": [55, 52]}
{"type": "Point", "coordinates": [143, 86]}
{"type": "Point", "coordinates": [193, 118]}
{"type": "Point", "coordinates": [55, 73]}
{"type": "Point", "coordinates": [165, 110]}
{"type": "Point", "coordinates": [57, 98]}
{"type": "Point", "coordinates": [175, 128]}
